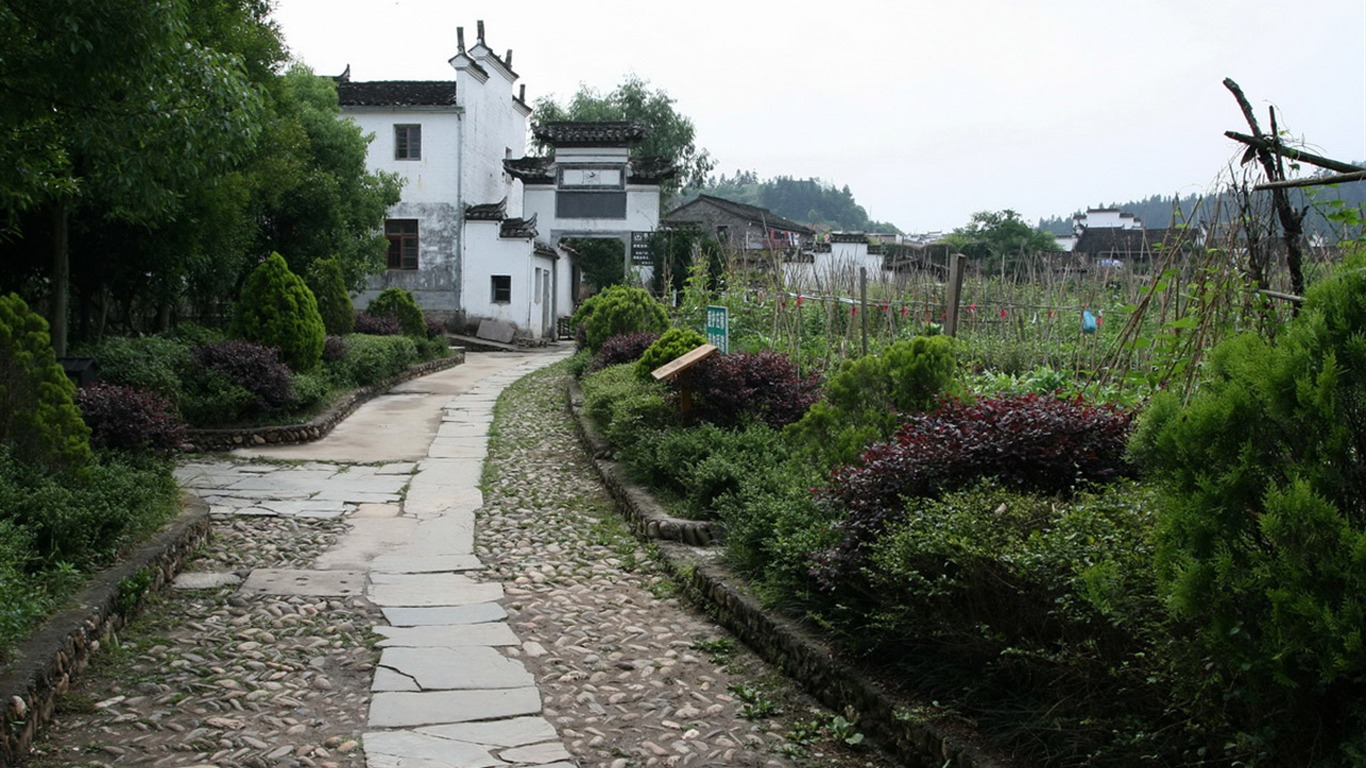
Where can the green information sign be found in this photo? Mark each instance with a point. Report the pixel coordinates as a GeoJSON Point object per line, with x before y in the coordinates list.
{"type": "Point", "coordinates": [718, 328]}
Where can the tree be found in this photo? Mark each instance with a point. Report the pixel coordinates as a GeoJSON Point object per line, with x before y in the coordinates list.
{"type": "Point", "coordinates": [276, 309]}
{"type": "Point", "coordinates": [998, 238]}
{"type": "Point", "coordinates": [318, 199]}
{"type": "Point", "coordinates": [117, 106]}
{"type": "Point", "coordinates": [671, 136]}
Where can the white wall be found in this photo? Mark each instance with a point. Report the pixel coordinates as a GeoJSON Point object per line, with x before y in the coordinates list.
{"type": "Point", "coordinates": [433, 178]}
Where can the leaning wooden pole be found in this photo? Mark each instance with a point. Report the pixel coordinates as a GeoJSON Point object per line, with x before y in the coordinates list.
{"type": "Point", "coordinates": [1291, 220]}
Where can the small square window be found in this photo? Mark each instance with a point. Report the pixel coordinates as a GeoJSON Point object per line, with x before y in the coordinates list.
{"type": "Point", "coordinates": [502, 289]}
{"type": "Point", "coordinates": [407, 142]}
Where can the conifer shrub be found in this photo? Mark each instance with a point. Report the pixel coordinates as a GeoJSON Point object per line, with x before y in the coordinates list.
{"type": "Point", "coordinates": [866, 399]}
{"type": "Point", "coordinates": [669, 346]}
{"type": "Point", "coordinates": [400, 305]}
{"type": "Point", "coordinates": [737, 389]}
{"type": "Point", "coordinates": [372, 325]}
{"type": "Point", "coordinates": [126, 419]}
{"type": "Point", "coordinates": [1262, 540]}
{"type": "Point", "coordinates": [334, 301]}
{"type": "Point", "coordinates": [1030, 443]}
{"type": "Point", "coordinates": [278, 310]}
{"type": "Point", "coordinates": [622, 348]}
{"type": "Point", "coordinates": [38, 417]}
{"type": "Point", "coordinates": [615, 310]}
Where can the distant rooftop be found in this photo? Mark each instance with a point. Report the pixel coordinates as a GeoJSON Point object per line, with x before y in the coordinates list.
{"type": "Point", "coordinates": [591, 134]}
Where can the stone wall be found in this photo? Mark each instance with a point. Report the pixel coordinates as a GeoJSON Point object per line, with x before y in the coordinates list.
{"type": "Point", "coordinates": [44, 666]}
{"type": "Point", "coordinates": [898, 725]}
{"type": "Point", "coordinates": [210, 440]}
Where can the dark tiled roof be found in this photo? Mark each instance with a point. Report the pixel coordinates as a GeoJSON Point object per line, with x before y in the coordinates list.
{"type": "Point", "coordinates": [519, 227]}
{"type": "Point", "coordinates": [650, 170]}
{"type": "Point", "coordinates": [750, 213]}
{"type": "Point", "coordinates": [532, 170]}
{"type": "Point", "coordinates": [1114, 240]}
{"type": "Point", "coordinates": [848, 237]}
{"type": "Point", "coordinates": [487, 211]}
{"type": "Point", "coordinates": [545, 249]}
{"type": "Point", "coordinates": [397, 93]}
{"type": "Point", "coordinates": [586, 134]}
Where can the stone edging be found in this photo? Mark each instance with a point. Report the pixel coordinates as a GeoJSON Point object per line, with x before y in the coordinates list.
{"type": "Point", "coordinates": [647, 516]}
{"type": "Point", "coordinates": [210, 440]}
{"type": "Point", "coordinates": [910, 738]}
{"type": "Point", "coordinates": [45, 664]}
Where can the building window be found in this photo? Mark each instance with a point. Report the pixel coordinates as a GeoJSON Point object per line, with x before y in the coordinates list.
{"type": "Point", "coordinates": [502, 289]}
{"type": "Point", "coordinates": [402, 234]}
{"type": "Point", "coordinates": [407, 142]}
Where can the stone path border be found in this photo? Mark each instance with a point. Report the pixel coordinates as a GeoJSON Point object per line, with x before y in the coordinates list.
{"type": "Point", "coordinates": [44, 665]}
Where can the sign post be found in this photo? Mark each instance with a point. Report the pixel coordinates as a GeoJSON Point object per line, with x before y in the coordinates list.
{"type": "Point", "coordinates": [718, 328]}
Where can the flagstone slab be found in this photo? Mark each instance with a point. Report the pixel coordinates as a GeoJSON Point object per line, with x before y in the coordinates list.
{"type": "Point", "coordinates": [478, 613]}
{"type": "Point", "coordinates": [512, 732]}
{"type": "Point", "coordinates": [458, 448]}
{"type": "Point", "coordinates": [408, 561]}
{"type": "Point", "coordinates": [427, 501]}
{"type": "Point", "coordinates": [536, 753]}
{"type": "Point", "coordinates": [447, 532]}
{"type": "Point", "coordinates": [205, 580]}
{"type": "Point", "coordinates": [282, 581]}
{"type": "Point", "coordinates": [428, 590]}
{"type": "Point", "coordinates": [446, 668]}
{"type": "Point", "coordinates": [409, 749]}
{"type": "Point", "coordinates": [403, 709]}
{"type": "Point", "coordinates": [494, 633]}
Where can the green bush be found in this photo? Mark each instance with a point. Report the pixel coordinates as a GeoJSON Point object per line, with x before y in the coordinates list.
{"type": "Point", "coordinates": [87, 519]}
{"type": "Point", "coordinates": [1262, 542]}
{"type": "Point", "coordinates": [334, 301]}
{"type": "Point", "coordinates": [400, 305]}
{"type": "Point", "coordinates": [373, 359]}
{"type": "Point", "coordinates": [616, 310]}
{"type": "Point", "coordinates": [278, 310]}
{"type": "Point", "coordinates": [37, 414]}
{"type": "Point", "coordinates": [212, 399]}
{"type": "Point", "coordinates": [149, 363]}
{"type": "Point", "coordinates": [671, 345]}
{"type": "Point", "coordinates": [701, 464]}
{"type": "Point", "coordinates": [628, 411]}
{"type": "Point", "coordinates": [864, 400]}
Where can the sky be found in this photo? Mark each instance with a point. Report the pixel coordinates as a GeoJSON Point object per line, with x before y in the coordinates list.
{"type": "Point", "coordinates": [929, 110]}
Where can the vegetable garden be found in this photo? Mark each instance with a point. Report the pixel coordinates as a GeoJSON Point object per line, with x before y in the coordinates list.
{"type": "Point", "coordinates": [1138, 542]}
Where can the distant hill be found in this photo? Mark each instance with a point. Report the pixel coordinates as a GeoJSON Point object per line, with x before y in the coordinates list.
{"type": "Point", "coordinates": [1160, 211]}
{"type": "Point", "coordinates": [813, 202]}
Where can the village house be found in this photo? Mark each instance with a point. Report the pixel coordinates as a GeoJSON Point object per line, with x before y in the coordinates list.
{"type": "Point", "coordinates": [476, 234]}
{"type": "Point", "coordinates": [747, 231]}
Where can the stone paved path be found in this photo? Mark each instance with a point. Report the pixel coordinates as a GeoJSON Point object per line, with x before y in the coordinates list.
{"type": "Point", "coordinates": [523, 629]}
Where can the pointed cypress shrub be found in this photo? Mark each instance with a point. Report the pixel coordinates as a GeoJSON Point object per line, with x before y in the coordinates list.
{"type": "Point", "coordinates": [38, 417]}
{"type": "Point", "coordinates": [278, 310]}
{"type": "Point", "coordinates": [334, 302]}
{"type": "Point", "coordinates": [400, 305]}
{"type": "Point", "coordinates": [618, 309]}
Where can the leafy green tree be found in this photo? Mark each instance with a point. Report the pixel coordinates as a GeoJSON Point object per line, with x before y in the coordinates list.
{"type": "Point", "coordinates": [998, 238]}
{"type": "Point", "coordinates": [317, 198]}
{"type": "Point", "coordinates": [602, 260]}
{"type": "Point", "coordinates": [672, 135]}
{"type": "Point", "coordinates": [114, 106]}
{"type": "Point", "coordinates": [276, 309]}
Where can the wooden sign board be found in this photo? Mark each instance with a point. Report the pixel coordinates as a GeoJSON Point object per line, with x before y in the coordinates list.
{"type": "Point", "coordinates": [683, 362]}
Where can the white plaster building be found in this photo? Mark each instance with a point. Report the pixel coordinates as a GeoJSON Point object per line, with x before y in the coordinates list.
{"type": "Point", "coordinates": [475, 235]}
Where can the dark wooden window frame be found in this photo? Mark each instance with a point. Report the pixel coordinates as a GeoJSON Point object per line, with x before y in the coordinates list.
{"type": "Point", "coordinates": [403, 243]}
{"type": "Point", "coordinates": [501, 286]}
{"type": "Point", "coordinates": [408, 141]}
